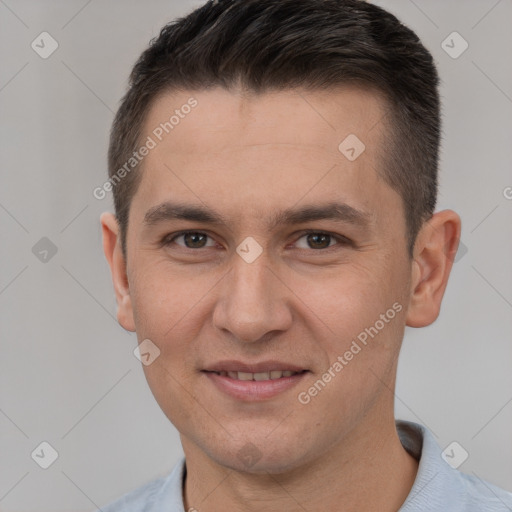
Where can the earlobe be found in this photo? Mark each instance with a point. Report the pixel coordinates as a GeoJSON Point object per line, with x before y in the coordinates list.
{"type": "Point", "coordinates": [117, 264]}
{"type": "Point", "coordinates": [434, 253]}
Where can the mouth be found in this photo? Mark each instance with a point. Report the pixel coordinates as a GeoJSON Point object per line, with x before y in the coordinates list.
{"type": "Point", "coordinates": [259, 376]}
{"type": "Point", "coordinates": [254, 382]}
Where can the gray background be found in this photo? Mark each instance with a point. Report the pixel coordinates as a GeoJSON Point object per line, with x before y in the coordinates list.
{"type": "Point", "coordinates": [67, 371]}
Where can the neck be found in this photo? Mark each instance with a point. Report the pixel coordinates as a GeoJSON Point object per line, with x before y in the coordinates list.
{"type": "Point", "coordinates": [369, 470]}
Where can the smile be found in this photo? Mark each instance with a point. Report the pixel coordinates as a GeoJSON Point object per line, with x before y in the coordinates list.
{"type": "Point", "coordinates": [271, 375]}
{"type": "Point", "coordinates": [249, 383]}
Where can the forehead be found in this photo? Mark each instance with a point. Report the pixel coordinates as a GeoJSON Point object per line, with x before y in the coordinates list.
{"type": "Point", "coordinates": [225, 119]}
{"type": "Point", "coordinates": [264, 151]}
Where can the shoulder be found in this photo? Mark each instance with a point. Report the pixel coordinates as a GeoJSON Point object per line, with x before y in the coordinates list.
{"type": "Point", "coordinates": [439, 486]}
{"type": "Point", "coordinates": [137, 500]}
{"type": "Point", "coordinates": [165, 490]}
{"type": "Point", "coordinates": [482, 495]}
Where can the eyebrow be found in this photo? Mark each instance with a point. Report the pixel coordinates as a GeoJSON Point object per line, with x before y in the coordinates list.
{"type": "Point", "coordinates": [339, 212]}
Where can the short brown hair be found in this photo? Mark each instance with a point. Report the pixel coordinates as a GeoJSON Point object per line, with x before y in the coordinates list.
{"type": "Point", "coordinates": [265, 45]}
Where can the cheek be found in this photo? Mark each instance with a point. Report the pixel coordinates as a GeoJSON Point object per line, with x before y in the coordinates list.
{"type": "Point", "coordinates": [170, 389]}
{"type": "Point", "coordinates": [362, 357]}
{"type": "Point", "coordinates": [166, 308]}
{"type": "Point", "coordinates": [349, 300]}
{"type": "Point", "coordinates": [362, 311]}
{"type": "Point", "coordinates": [163, 299]}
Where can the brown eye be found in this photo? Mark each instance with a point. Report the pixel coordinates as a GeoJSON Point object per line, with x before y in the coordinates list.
{"type": "Point", "coordinates": [194, 240]}
{"type": "Point", "coordinates": [319, 240]}
{"type": "Point", "coordinates": [191, 240]}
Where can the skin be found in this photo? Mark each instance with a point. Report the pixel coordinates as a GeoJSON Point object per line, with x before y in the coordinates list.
{"type": "Point", "coordinates": [248, 157]}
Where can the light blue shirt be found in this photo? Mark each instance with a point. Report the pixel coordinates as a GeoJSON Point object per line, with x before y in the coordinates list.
{"type": "Point", "coordinates": [437, 487]}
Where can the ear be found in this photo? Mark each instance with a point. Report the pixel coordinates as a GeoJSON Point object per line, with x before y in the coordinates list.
{"type": "Point", "coordinates": [434, 252]}
{"type": "Point", "coordinates": [117, 263]}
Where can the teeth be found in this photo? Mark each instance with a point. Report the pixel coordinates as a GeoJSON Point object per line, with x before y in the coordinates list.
{"type": "Point", "coordinates": [272, 375]}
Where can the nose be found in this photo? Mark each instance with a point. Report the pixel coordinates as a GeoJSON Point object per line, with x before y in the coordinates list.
{"type": "Point", "coordinates": [253, 302]}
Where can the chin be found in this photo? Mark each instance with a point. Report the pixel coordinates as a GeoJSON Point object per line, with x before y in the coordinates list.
{"type": "Point", "coordinates": [249, 456]}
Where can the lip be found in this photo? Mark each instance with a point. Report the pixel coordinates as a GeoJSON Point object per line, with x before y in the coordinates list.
{"type": "Point", "coordinates": [264, 366]}
{"type": "Point", "coordinates": [253, 390]}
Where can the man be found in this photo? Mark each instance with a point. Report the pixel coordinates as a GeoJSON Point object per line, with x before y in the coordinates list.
{"type": "Point", "coordinates": [274, 171]}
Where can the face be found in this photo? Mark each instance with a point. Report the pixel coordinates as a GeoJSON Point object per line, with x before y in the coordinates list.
{"type": "Point", "coordinates": [297, 255]}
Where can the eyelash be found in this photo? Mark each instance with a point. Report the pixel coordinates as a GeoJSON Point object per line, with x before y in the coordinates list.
{"type": "Point", "coordinates": [341, 240]}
